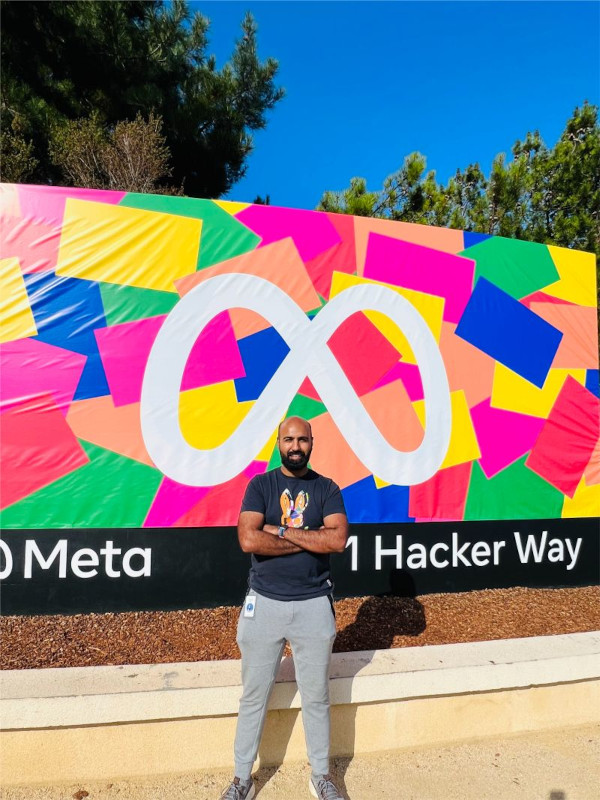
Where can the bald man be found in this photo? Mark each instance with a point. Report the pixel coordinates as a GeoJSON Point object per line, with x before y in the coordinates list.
{"type": "Point", "coordinates": [291, 520]}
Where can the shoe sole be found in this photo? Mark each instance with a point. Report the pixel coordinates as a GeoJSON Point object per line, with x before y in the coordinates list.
{"type": "Point", "coordinates": [251, 793]}
{"type": "Point", "coordinates": [311, 788]}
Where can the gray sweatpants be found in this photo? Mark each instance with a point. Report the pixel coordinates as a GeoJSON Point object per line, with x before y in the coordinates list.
{"type": "Point", "coordinates": [309, 626]}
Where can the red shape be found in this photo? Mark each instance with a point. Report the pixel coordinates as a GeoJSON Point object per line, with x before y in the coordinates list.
{"type": "Point", "coordinates": [339, 258]}
{"type": "Point", "coordinates": [33, 242]}
{"type": "Point", "coordinates": [442, 497]}
{"type": "Point", "coordinates": [540, 297]}
{"type": "Point", "coordinates": [565, 445]}
{"type": "Point", "coordinates": [37, 447]}
{"type": "Point", "coordinates": [221, 506]}
{"type": "Point", "coordinates": [362, 351]}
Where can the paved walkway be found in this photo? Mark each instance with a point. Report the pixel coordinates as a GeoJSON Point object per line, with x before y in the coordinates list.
{"type": "Point", "coordinates": [560, 765]}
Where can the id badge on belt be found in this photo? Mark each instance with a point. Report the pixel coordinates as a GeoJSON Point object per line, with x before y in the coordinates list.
{"type": "Point", "coordinates": [250, 605]}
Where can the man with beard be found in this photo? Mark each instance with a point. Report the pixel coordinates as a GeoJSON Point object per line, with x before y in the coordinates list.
{"type": "Point", "coordinates": [291, 520]}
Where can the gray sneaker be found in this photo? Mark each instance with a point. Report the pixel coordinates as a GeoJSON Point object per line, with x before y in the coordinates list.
{"type": "Point", "coordinates": [239, 791]}
{"type": "Point", "coordinates": [324, 788]}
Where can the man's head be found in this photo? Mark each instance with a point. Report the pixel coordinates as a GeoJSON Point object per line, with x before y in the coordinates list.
{"type": "Point", "coordinates": [295, 445]}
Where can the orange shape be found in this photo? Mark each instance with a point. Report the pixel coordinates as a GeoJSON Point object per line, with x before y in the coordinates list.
{"type": "Point", "coordinates": [592, 471]}
{"type": "Point", "coordinates": [278, 263]}
{"type": "Point", "coordinates": [444, 239]}
{"type": "Point", "coordinates": [467, 367]}
{"type": "Point", "coordinates": [116, 429]}
{"type": "Point", "coordinates": [578, 347]}
{"type": "Point", "coordinates": [391, 410]}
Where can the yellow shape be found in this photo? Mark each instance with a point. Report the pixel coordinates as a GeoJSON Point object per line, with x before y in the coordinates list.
{"type": "Point", "coordinates": [513, 393]}
{"type": "Point", "coordinates": [577, 272]}
{"type": "Point", "coordinates": [463, 442]}
{"type": "Point", "coordinates": [231, 207]}
{"type": "Point", "coordinates": [584, 503]}
{"type": "Point", "coordinates": [379, 483]}
{"type": "Point", "coordinates": [9, 200]}
{"type": "Point", "coordinates": [16, 316]}
{"type": "Point", "coordinates": [429, 306]}
{"type": "Point", "coordinates": [267, 451]}
{"type": "Point", "coordinates": [208, 416]}
{"type": "Point", "coordinates": [128, 246]}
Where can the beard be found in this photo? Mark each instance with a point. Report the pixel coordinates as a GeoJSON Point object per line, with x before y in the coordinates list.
{"type": "Point", "coordinates": [295, 464]}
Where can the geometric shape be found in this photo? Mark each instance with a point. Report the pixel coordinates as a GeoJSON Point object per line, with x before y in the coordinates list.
{"type": "Point", "coordinates": [423, 269]}
{"type": "Point", "coordinates": [367, 504]}
{"type": "Point", "coordinates": [29, 368]}
{"type": "Point", "coordinates": [231, 206]}
{"type": "Point", "coordinates": [507, 331]}
{"type": "Point", "coordinates": [579, 326]}
{"type": "Point", "coordinates": [463, 445]}
{"type": "Point", "coordinates": [431, 308]}
{"type": "Point", "coordinates": [116, 429]}
{"type": "Point", "coordinates": [37, 447]}
{"type": "Point", "coordinates": [514, 266]}
{"type": "Point", "coordinates": [34, 243]}
{"type": "Point", "coordinates": [123, 245]}
{"type": "Point", "coordinates": [467, 367]}
{"type": "Point", "coordinates": [16, 318]}
{"type": "Point", "coordinates": [279, 264]}
{"type": "Point", "coordinates": [592, 381]}
{"type": "Point", "coordinates": [364, 354]}
{"type": "Point", "coordinates": [392, 412]}
{"type": "Point", "coordinates": [208, 416]}
{"type": "Point", "coordinates": [339, 258]}
{"type": "Point", "coordinates": [67, 312]}
{"type": "Point", "coordinates": [262, 354]}
{"type": "Point", "coordinates": [172, 501]}
{"type": "Point", "coordinates": [219, 506]}
{"type": "Point", "coordinates": [125, 349]}
{"type": "Point", "coordinates": [410, 376]}
{"type": "Point", "coordinates": [577, 276]}
{"type": "Point", "coordinates": [222, 235]}
{"type": "Point", "coordinates": [311, 231]}
{"type": "Point", "coordinates": [514, 493]}
{"type": "Point", "coordinates": [566, 443]}
{"type": "Point", "coordinates": [442, 497]}
{"type": "Point", "coordinates": [584, 503]}
{"type": "Point", "coordinates": [111, 491]}
{"type": "Point", "coordinates": [592, 471]}
{"type": "Point", "coordinates": [503, 436]}
{"type": "Point", "coordinates": [446, 239]}
{"type": "Point", "coordinates": [128, 303]}
{"type": "Point", "coordinates": [472, 239]}
{"type": "Point", "coordinates": [47, 203]}
{"type": "Point", "coordinates": [514, 393]}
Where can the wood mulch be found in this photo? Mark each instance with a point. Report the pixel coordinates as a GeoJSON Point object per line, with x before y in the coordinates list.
{"type": "Point", "coordinates": [363, 623]}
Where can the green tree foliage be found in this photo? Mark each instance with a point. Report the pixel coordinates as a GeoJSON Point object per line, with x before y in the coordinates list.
{"type": "Point", "coordinates": [106, 62]}
{"type": "Point", "coordinates": [542, 194]}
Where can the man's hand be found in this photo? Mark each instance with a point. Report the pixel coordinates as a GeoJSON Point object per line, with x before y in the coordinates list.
{"type": "Point", "coordinates": [330, 538]}
{"type": "Point", "coordinates": [262, 540]}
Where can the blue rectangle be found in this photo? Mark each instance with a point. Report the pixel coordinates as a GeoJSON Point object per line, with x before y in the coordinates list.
{"type": "Point", "coordinates": [509, 332]}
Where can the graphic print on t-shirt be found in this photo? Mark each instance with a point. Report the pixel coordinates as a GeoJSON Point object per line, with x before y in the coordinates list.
{"type": "Point", "coordinates": [292, 515]}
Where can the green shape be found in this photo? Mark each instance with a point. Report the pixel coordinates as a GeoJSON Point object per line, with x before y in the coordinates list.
{"type": "Point", "coordinates": [128, 303]}
{"type": "Point", "coordinates": [301, 406]}
{"type": "Point", "coordinates": [519, 268]}
{"type": "Point", "coordinates": [111, 491]}
{"type": "Point", "coordinates": [222, 236]}
{"type": "Point", "coordinates": [514, 493]}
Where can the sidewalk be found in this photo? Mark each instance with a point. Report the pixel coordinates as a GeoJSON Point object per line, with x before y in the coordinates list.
{"type": "Point", "coordinates": [557, 765]}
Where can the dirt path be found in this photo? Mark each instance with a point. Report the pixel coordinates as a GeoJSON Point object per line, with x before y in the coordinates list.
{"type": "Point", "coordinates": [558, 765]}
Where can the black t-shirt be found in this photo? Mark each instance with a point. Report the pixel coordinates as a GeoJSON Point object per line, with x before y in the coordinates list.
{"type": "Point", "coordinates": [297, 503]}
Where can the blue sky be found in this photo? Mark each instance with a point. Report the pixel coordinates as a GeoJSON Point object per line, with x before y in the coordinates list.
{"type": "Point", "coordinates": [369, 82]}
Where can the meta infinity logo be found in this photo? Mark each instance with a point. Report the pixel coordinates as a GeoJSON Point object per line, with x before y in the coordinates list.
{"type": "Point", "coordinates": [309, 356]}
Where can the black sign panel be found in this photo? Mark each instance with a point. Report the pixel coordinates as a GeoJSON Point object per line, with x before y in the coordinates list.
{"type": "Point", "coordinates": [79, 571]}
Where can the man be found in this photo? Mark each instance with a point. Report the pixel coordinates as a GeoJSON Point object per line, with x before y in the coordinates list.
{"type": "Point", "coordinates": [291, 520]}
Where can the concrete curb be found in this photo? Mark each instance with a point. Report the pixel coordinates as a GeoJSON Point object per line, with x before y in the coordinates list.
{"type": "Point", "coordinates": [54, 698]}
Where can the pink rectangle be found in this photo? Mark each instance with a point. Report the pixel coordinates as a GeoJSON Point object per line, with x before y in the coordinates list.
{"type": "Point", "coordinates": [443, 497]}
{"type": "Point", "coordinates": [29, 368]}
{"type": "Point", "coordinates": [422, 269]}
{"type": "Point", "coordinates": [503, 436]}
{"type": "Point", "coordinates": [564, 447]}
{"type": "Point", "coordinates": [48, 203]}
{"type": "Point", "coordinates": [124, 350]}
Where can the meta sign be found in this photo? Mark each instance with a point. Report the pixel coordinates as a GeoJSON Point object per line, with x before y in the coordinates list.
{"type": "Point", "coordinates": [150, 345]}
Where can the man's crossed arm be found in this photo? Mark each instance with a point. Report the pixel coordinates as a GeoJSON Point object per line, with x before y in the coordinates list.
{"type": "Point", "coordinates": [263, 540]}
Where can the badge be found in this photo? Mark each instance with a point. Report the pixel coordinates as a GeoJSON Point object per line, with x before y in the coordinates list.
{"type": "Point", "coordinates": [250, 605]}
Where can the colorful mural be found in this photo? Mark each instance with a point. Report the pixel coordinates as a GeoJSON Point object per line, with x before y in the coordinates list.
{"type": "Point", "coordinates": [149, 346]}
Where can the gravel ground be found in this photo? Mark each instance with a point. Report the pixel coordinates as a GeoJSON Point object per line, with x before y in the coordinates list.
{"type": "Point", "coordinates": [550, 765]}
{"type": "Point", "coordinates": [363, 623]}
